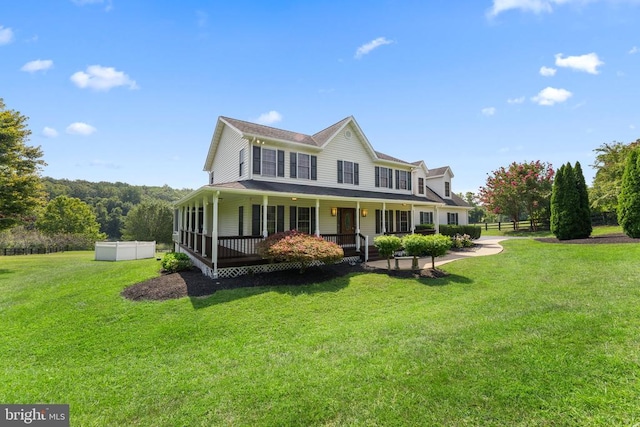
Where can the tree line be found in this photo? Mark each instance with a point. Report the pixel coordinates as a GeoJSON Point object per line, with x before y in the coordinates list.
{"type": "Point", "coordinates": [37, 211]}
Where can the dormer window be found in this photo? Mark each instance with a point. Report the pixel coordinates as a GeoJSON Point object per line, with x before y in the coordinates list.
{"type": "Point", "coordinates": [447, 189]}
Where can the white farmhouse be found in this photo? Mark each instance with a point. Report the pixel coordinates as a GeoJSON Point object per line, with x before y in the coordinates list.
{"type": "Point", "coordinates": [264, 180]}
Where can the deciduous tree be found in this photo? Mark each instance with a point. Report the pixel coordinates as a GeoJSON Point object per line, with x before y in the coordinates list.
{"type": "Point", "coordinates": [20, 164]}
{"type": "Point", "coordinates": [521, 188]}
{"type": "Point", "coordinates": [150, 220]}
{"type": "Point", "coordinates": [609, 165]}
{"type": "Point", "coordinates": [68, 215]}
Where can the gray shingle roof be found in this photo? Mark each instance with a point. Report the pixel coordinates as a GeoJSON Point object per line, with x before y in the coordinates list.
{"type": "Point", "coordinates": [282, 187]}
{"type": "Point", "coordinates": [437, 171]}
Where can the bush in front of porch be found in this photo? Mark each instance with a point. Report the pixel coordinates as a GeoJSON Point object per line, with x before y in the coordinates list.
{"type": "Point", "coordinates": [294, 246]}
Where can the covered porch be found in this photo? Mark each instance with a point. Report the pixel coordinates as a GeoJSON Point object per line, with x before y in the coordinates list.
{"type": "Point", "coordinates": [220, 227]}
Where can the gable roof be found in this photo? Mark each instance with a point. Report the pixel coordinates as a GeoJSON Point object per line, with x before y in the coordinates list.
{"type": "Point", "coordinates": [433, 173]}
{"type": "Point", "coordinates": [319, 139]}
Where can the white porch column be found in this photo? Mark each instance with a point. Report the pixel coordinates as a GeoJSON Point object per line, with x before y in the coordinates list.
{"type": "Point", "coordinates": [317, 224]}
{"type": "Point", "coordinates": [357, 225]}
{"type": "Point", "coordinates": [214, 235]}
{"type": "Point", "coordinates": [197, 227]}
{"type": "Point", "coordinates": [205, 225]}
{"type": "Point", "coordinates": [436, 220]}
{"type": "Point", "coordinates": [413, 218]}
{"type": "Point", "coordinates": [189, 226]}
{"type": "Point", "coordinates": [265, 202]}
{"type": "Point", "coordinates": [384, 217]}
{"type": "Point", "coordinates": [180, 217]}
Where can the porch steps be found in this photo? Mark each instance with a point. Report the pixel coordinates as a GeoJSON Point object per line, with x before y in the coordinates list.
{"type": "Point", "coordinates": [373, 253]}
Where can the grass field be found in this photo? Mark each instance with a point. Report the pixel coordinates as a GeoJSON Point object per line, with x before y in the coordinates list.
{"type": "Point", "coordinates": [541, 334]}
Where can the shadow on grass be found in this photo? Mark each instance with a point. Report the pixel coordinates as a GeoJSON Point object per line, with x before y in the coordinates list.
{"type": "Point", "coordinates": [236, 293]}
{"type": "Point", "coordinates": [5, 271]}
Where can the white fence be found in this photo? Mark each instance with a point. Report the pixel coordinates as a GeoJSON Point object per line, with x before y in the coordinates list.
{"type": "Point", "coordinates": [124, 251]}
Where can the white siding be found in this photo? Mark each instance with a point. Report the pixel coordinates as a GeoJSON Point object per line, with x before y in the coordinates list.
{"type": "Point", "coordinates": [226, 162]}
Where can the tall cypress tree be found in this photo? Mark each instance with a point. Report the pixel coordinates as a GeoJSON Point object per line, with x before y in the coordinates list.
{"type": "Point", "coordinates": [568, 220]}
{"type": "Point", "coordinates": [557, 201]}
{"type": "Point", "coordinates": [629, 198]}
{"type": "Point", "coordinates": [584, 228]}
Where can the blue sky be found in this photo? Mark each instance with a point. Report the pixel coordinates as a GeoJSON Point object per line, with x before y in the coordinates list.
{"type": "Point", "coordinates": [125, 90]}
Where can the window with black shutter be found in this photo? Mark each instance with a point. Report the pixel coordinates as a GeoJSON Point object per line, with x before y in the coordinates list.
{"type": "Point", "coordinates": [256, 160]}
{"type": "Point", "coordinates": [281, 163]}
{"type": "Point", "coordinates": [293, 168]}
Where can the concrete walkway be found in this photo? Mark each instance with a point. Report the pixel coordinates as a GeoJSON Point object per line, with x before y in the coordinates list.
{"type": "Point", "coordinates": [485, 246]}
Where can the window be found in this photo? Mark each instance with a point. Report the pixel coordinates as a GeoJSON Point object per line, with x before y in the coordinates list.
{"type": "Point", "coordinates": [403, 180]}
{"type": "Point", "coordinates": [240, 220]}
{"type": "Point", "coordinates": [402, 218]}
{"type": "Point", "coordinates": [447, 189]}
{"type": "Point", "coordinates": [348, 172]}
{"type": "Point", "coordinates": [420, 185]}
{"type": "Point", "coordinates": [268, 162]}
{"type": "Point", "coordinates": [302, 219]}
{"type": "Point", "coordinates": [275, 219]}
{"type": "Point", "coordinates": [304, 166]}
{"type": "Point", "coordinates": [211, 177]}
{"type": "Point", "coordinates": [452, 218]}
{"type": "Point", "coordinates": [388, 221]}
{"type": "Point", "coordinates": [384, 177]}
{"type": "Point", "coordinates": [241, 163]}
{"type": "Point", "coordinates": [426, 218]}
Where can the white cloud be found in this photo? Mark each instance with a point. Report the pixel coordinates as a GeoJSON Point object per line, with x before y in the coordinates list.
{"type": "Point", "coordinates": [515, 100]}
{"type": "Point", "coordinates": [632, 127]}
{"type": "Point", "coordinates": [49, 132]}
{"type": "Point", "coordinates": [551, 96]}
{"type": "Point", "coordinates": [488, 111]}
{"type": "Point", "coordinates": [269, 118]}
{"type": "Point", "coordinates": [547, 71]}
{"type": "Point", "coordinates": [368, 47]}
{"type": "Point", "coordinates": [6, 35]}
{"type": "Point", "coordinates": [540, 6]}
{"type": "Point", "coordinates": [535, 6]}
{"type": "Point", "coordinates": [634, 50]}
{"type": "Point", "coordinates": [588, 63]}
{"type": "Point", "coordinates": [37, 65]}
{"type": "Point", "coordinates": [102, 78]}
{"type": "Point", "coordinates": [80, 128]}
{"type": "Point", "coordinates": [108, 4]}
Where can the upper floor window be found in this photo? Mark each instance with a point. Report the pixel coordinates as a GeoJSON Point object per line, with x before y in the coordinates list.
{"type": "Point", "coordinates": [384, 177]}
{"type": "Point", "coordinates": [420, 185]}
{"type": "Point", "coordinates": [348, 172]}
{"type": "Point", "coordinates": [268, 162]}
{"type": "Point", "coordinates": [211, 177]}
{"type": "Point", "coordinates": [447, 189]}
{"type": "Point", "coordinates": [303, 166]}
{"type": "Point", "coordinates": [403, 180]}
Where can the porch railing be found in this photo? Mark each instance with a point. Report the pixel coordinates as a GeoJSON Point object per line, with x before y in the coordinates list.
{"type": "Point", "coordinates": [237, 246]}
{"type": "Point", "coordinates": [342, 240]}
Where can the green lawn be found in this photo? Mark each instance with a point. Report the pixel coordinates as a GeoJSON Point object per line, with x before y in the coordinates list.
{"type": "Point", "coordinates": [542, 334]}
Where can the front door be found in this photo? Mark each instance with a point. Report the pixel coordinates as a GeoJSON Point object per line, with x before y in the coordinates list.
{"type": "Point", "coordinates": [347, 225]}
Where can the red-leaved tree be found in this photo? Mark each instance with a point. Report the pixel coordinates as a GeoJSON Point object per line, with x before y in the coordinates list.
{"type": "Point", "coordinates": [519, 188]}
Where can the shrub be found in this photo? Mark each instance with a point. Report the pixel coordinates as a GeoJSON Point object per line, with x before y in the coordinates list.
{"type": "Point", "coordinates": [461, 241]}
{"type": "Point", "coordinates": [175, 261]}
{"type": "Point", "coordinates": [433, 246]}
{"type": "Point", "coordinates": [425, 226]}
{"type": "Point", "coordinates": [293, 246]}
{"type": "Point", "coordinates": [387, 246]}
{"type": "Point", "coordinates": [473, 231]}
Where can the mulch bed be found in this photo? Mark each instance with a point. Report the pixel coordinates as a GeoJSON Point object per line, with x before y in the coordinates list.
{"type": "Point", "coordinates": [193, 283]}
{"type": "Point", "coordinates": [605, 238]}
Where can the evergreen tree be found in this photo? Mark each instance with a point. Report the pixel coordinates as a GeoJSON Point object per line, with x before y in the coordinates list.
{"type": "Point", "coordinates": [629, 199]}
{"type": "Point", "coordinates": [565, 202]}
{"type": "Point", "coordinates": [584, 211]}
